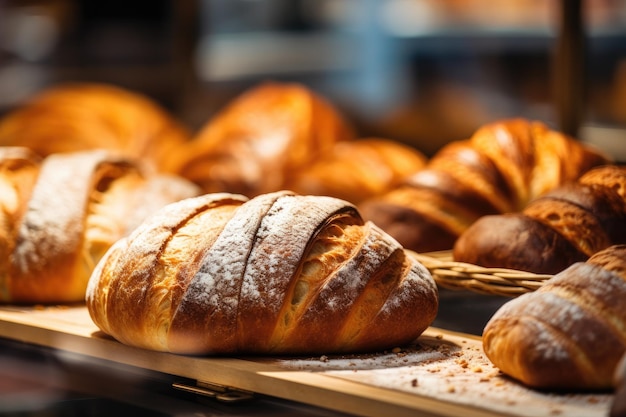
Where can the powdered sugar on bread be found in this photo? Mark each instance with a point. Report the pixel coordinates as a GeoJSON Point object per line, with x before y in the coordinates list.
{"type": "Point", "coordinates": [277, 276]}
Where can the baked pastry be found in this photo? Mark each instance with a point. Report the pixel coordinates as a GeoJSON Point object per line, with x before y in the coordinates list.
{"type": "Point", "coordinates": [58, 215]}
{"type": "Point", "coordinates": [570, 333]}
{"type": "Point", "coordinates": [278, 274]}
{"type": "Point", "coordinates": [254, 144]}
{"type": "Point", "coordinates": [564, 226]}
{"type": "Point", "coordinates": [358, 170]}
{"type": "Point", "coordinates": [84, 116]}
{"type": "Point", "coordinates": [502, 167]}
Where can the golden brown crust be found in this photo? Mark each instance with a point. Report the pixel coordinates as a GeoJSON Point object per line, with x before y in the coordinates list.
{"type": "Point", "coordinates": [611, 176]}
{"type": "Point", "coordinates": [75, 205]}
{"type": "Point", "coordinates": [566, 225]}
{"type": "Point", "coordinates": [466, 173]}
{"type": "Point", "coordinates": [357, 170]}
{"type": "Point", "coordinates": [577, 225]}
{"type": "Point", "coordinates": [85, 116]}
{"type": "Point", "coordinates": [19, 168]}
{"type": "Point", "coordinates": [602, 201]}
{"type": "Point", "coordinates": [281, 273]}
{"type": "Point", "coordinates": [500, 169]}
{"type": "Point", "coordinates": [137, 310]}
{"type": "Point", "coordinates": [569, 334]}
{"type": "Point", "coordinates": [420, 219]}
{"type": "Point", "coordinates": [260, 138]}
{"type": "Point", "coordinates": [516, 241]}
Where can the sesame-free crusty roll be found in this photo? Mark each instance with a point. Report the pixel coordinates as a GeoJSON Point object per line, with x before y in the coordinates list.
{"type": "Point", "coordinates": [277, 274]}
{"type": "Point", "coordinates": [566, 225]}
{"type": "Point", "coordinates": [571, 333]}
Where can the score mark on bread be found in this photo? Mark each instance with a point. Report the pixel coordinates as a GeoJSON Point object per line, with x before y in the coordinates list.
{"type": "Point", "coordinates": [277, 274]}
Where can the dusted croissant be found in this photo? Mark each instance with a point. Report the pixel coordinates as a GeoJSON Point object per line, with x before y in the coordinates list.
{"type": "Point", "coordinates": [280, 273]}
{"type": "Point", "coordinates": [502, 167]}
{"type": "Point", "coordinates": [358, 170]}
{"type": "Point", "coordinates": [569, 334]}
{"type": "Point", "coordinates": [58, 215]}
{"type": "Point", "coordinates": [254, 144]}
{"type": "Point", "coordinates": [86, 116]}
{"type": "Point", "coordinates": [564, 226]}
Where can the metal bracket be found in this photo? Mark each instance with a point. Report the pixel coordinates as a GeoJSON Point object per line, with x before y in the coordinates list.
{"type": "Point", "coordinates": [219, 392]}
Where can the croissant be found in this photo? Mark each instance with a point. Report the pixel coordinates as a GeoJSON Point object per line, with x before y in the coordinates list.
{"type": "Point", "coordinates": [254, 144]}
{"type": "Point", "coordinates": [84, 116]}
{"type": "Point", "coordinates": [564, 226]}
{"type": "Point", "coordinates": [571, 333]}
{"type": "Point", "coordinates": [277, 274]}
{"type": "Point", "coordinates": [358, 170]}
{"type": "Point", "coordinates": [502, 167]}
{"type": "Point", "coordinates": [59, 214]}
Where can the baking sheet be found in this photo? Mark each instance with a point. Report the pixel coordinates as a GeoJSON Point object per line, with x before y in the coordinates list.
{"type": "Point", "coordinates": [443, 374]}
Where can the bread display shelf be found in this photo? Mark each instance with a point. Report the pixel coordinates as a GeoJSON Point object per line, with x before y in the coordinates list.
{"type": "Point", "coordinates": [492, 281]}
{"type": "Point", "coordinates": [443, 374]}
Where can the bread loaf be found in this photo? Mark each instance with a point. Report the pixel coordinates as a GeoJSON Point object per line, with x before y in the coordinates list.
{"type": "Point", "coordinates": [357, 170]}
{"type": "Point", "coordinates": [564, 226]}
{"type": "Point", "coordinates": [59, 214]}
{"type": "Point", "coordinates": [278, 274]}
{"type": "Point", "coordinates": [502, 167]}
{"type": "Point", "coordinates": [569, 334]}
{"type": "Point", "coordinates": [85, 116]}
{"type": "Point", "coordinates": [254, 144]}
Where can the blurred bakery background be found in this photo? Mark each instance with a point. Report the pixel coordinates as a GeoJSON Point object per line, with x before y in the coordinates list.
{"type": "Point", "coordinates": [423, 72]}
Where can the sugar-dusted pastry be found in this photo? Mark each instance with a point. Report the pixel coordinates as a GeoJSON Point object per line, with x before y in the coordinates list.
{"type": "Point", "coordinates": [61, 213]}
{"type": "Point", "coordinates": [571, 333]}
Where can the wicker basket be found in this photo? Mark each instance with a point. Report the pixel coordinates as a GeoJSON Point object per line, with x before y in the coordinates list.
{"type": "Point", "coordinates": [463, 276]}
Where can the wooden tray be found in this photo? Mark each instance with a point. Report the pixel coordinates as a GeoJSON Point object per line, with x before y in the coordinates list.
{"type": "Point", "coordinates": [443, 374]}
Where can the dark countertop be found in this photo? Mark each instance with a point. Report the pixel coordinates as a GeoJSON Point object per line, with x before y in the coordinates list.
{"type": "Point", "coordinates": [37, 381]}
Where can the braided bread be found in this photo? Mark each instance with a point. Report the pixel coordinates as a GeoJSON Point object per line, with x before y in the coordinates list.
{"type": "Point", "coordinates": [569, 334]}
{"type": "Point", "coordinates": [59, 214]}
{"type": "Point", "coordinates": [254, 144]}
{"type": "Point", "coordinates": [85, 116]}
{"type": "Point", "coordinates": [499, 169]}
{"type": "Point", "coordinates": [280, 273]}
{"type": "Point", "coordinates": [564, 226]}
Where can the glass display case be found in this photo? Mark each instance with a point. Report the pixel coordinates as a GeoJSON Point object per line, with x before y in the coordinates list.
{"type": "Point", "coordinates": [422, 72]}
{"type": "Point", "coordinates": [428, 72]}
